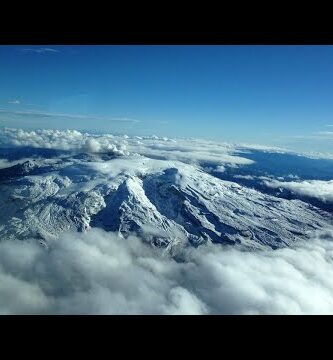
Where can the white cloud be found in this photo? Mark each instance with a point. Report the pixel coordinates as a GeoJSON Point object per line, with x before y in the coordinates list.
{"type": "Point", "coordinates": [51, 139]}
{"type": "Point", "coordinates": [43, 114]}
{"type": "Point", "coordinates": [319, 189]}
{"type": "Point", "coordinates": [246, 177]}
{"type": "Point", "coordinates": [197, 152]}
{"type": "Point", "coordinates": [14, 102]}
{"type": "Point", "coordinates": [325, 133]}
{"type": "Point", "coordinates": [100, 273]}
{"type": "Point", "coordinates": [62, 140]}
{"type": "Point", "coordinates": [4, 163]}
{"type": "Point", "coordinates": [263, 148]}
{"type": "Point", "coordinates": [319, 135]}
{"type": "Point", "coordinates": [192, 151]}
{"type": "Point", "coordinates": [42, 50]}
{"type": "Point", "coordinates": [220, 169]}
{"type": "Point", "coordinates": [102, 145]}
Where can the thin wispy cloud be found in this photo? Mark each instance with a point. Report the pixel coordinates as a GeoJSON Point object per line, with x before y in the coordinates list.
{"type": "Point", "coordinates": [42, 50]}
{"type": "Point", "coordinates": [14, 102]}
{"type": "Point", "coordinates": [162, 122]}
{"type": "Point", "coordinates": [319, 135]}
{"type": "Point", "coordinates": [325, 133]}
{"type": "Point", "coordinates": [39, 114]}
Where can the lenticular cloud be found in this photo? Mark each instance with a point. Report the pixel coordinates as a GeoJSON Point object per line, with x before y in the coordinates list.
{"type": "Point", "coordinates": [101, 273]}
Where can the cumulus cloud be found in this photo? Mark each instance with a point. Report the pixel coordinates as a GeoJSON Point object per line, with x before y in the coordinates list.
{"type": "Point", "coordinates": [101, 273]}
{"type": "Point", "coordinates": [62, 140]}
{"type": "Point", "coordinates": [53, 139]}
{"type": "Point", "coordinates": [220, 169]}
{"type": "Point", "coordinates": [319, 189]}
{"type": "Point", "coordinates": [102, 145]}
{"type": "Point", "coordinates": [191, 151]}
{"type": "Point", "coordinates": [207, 154]}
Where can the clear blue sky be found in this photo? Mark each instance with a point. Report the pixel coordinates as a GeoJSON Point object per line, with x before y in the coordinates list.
{"type": "Point", "coordinates": [279, 95]}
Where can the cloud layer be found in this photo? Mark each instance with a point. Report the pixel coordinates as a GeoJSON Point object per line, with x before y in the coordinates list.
{"type": "Point", "coordinates": [61, 140]}
{"type": "Point", "coordinates": [191, 151]}
{"type": "Point", "coordinates": [216, 156]}
{"type": "Point", "coordinates": [322, 190]}
{"type": "Point", "coordinates": [101, 273]}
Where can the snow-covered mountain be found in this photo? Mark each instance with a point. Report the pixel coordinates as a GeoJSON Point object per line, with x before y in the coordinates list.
{"type": "Point", "coordinates": [167, 200]}
{"type": "Point", "coordinates": [148, 225]}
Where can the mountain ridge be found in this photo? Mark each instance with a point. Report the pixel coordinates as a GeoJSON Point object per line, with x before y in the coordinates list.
{"type": "Point", "coordinates": [167, 203]}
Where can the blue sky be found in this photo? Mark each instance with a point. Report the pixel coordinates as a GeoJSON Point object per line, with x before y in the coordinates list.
{"type": "Point", "coordinates": [275, 95]}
